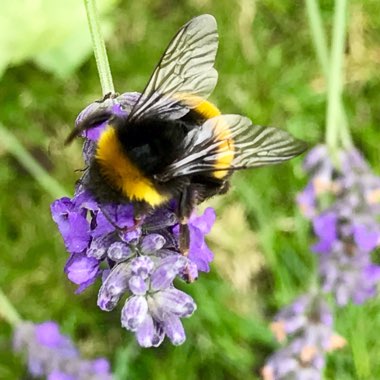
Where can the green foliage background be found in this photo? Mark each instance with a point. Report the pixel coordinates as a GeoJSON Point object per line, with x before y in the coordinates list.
{"type": "Point", "coordinates": [269, 72]}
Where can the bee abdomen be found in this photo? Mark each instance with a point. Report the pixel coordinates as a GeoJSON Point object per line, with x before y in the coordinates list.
{"type": "Point", "coordinates": [119, 173]}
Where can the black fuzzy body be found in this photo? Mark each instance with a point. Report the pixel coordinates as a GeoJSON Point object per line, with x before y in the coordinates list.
{"type": "Point", "coordinates": [152, 145]}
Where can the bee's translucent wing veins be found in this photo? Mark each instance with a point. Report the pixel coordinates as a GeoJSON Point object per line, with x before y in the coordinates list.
{"type": "Point", "coordinates": [248, 146]}
{"type": "Point", "coordinates": [184, 75]}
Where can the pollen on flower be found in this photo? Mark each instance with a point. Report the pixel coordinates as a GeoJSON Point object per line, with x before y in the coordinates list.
{"type": "Point", "coordinates": [373, 197]}
{"type": "Point", "coordinates": [267, 373]}
{"type": "Point", "coordinates": [336, 342]}
{"type": "Point", "coordinates": [278, 329]}
{"type": "Point", "coordinates": [308, 353]}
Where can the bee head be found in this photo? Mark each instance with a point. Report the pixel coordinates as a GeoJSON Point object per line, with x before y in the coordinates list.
{"type": "Point", "coordinates": [93, 120]}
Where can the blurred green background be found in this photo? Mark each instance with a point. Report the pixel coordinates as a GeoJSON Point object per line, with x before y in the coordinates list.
{"type": "Point", "coordinates": [267, 71]}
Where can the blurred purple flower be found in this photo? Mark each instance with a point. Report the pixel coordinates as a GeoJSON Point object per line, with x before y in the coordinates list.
{"type": "Point", "coordinates": [307, 325]}
{"type": "Point", "coordinates": [348, 273]}
{"type": "Point", "coordinates": [324, 226]}
{"type": "Point", "coordinates": [344, 205]}
{"type": "Point", "coordinates": [51, 354]}
{"type": "Point", "coordinates": [138, 262]}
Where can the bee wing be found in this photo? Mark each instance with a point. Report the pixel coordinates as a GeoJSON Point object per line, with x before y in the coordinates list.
{"type": "Point", "coordinates": [185, 75]}
{"type": "Point", "coordinates": [232, 142]}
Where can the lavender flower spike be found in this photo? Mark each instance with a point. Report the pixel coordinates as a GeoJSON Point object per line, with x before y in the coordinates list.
{"type": "Point", "coordinates": [53, 355]}
{"type": "Point", "coordinates": [344, 205]}
{"type": "Point", "coordinates": [307, 324]}
{"type": "Point", "coordinates": [139, 264]}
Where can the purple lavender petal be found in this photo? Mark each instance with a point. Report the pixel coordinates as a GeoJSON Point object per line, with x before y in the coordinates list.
{"type": "Point", "coordinates": [77, 239]}
{"type": "Point", "coordinates": [279, 366]}
{"type": "Point", "coordinates": [60, 208]}
{"type": "Point", "coordinates": [145, 332]}
{"type": "Point", "coordinates": [152, 243]}
{"type": "Point", "coordinates": [94, 133]}
{"type": "Point", "coordinates": [84, 285]}
{"type": "Point", "coordinates": [174, 329]}
{"type": "Point", "coordinates": [72, 225]}
{"type": "Point", "coordinates": [159, 334]}
{"type": "Point", "coordinates": [315, 156]}
{"type": "Point", "coordinates": [142, 266]}
{"type": "Point", "coordinates": [101, 366]}
{"type": "Point", "coordinates": [204, 222]}
{"type": "Point", "coordinates": [176, 302]}
{"type": "Point", "coordinates": [134, 312]}
{"type": "Point", "coordinates": [150, 333]}
{"type": "Point", "coordinates": [127, 100]}
{"type": "Point", "coordinates": [292, 318]}
{"type": "Point", "coordinates": [160, 219]}
{"type": "Point", "coordinates": [167, 270]}
{"type": "Point", "coordinates": [114, 286]}
{"type": "Point", "coordinates": [322, 246]}
{"type": "Point", "coordinates": [48, 335]}
{"type": "Point", "coordinates": [190, 272]}
{"type": "Point", "coordinates": [103, 226]}
{"type": "Point", "coordinates": [368, 284]}
{"type": "Point", "coordinates": [119, 251]}
{"type": "Point", "coordinates": [353, 159]}
{"type": "Point", "coordinates": [372, 273]}
{"type": "Point", "coordinates": [131, 236]}
{"type": "Point", "coordinates": [306, 201]}
{"type": "Point", "coordinates": [85, 200]}
{"type": "Point", "coordinates": [100, 246]}
{"type": "Point", "coordinates": [58, 375]}
{"type": "Point", "coordinates": [325, 228]}
{"type": "Point", "coordinates": [199, 253]}
{"type": "Point", "coordinates": [124, 216]}
{"type": "Point", "coordinates": [137, 285]}
{"type": "Point", "coordinates": [80, 268]}
{"type": "Point", "coordinates": [365, 238]}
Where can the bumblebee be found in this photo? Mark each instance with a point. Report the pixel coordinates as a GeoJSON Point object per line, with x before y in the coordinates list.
{"type": "Point", "coordinates": [174, 144]}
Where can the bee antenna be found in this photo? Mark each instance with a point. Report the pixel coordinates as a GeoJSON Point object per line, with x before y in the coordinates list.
{"type": "Point", "coordinates": [89, 122]}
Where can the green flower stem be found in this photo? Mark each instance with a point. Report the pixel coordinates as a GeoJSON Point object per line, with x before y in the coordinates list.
{"type": "Point", "coordinates": [320, 44]}
{"type": "Point", "coordinates": [318, 34]}
{"type": "Point", "coordinates": [99, 48]}
{"type": "Point", "coordinates": [335, 75]}
{"type": "Point", "coordinates": [11, 143]}
{"type": "Point", "coordinates": [7, 311]}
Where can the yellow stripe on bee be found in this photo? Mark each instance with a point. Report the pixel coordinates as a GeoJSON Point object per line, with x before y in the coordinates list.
{"type": "Point", "coordinates": [226, 149]}
{"type": "Point", "coordinates": [208, 110]}
{"type": "Point", "coordinates": [122, 174]}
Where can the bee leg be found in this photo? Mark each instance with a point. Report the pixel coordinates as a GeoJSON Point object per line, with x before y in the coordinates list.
{"type": "Point", "coordinates": [184, 237]}
{"type": "Point", "coordinates": [140, 211]}
{"type": "Point", "coordinates": [184, 211]}
{"type": "Point", "coordinates": [138, 220]}
{"type": "Point", "coordinates": [185, 206]}
{"type": "Point", "coordinates": [109, 95]}
{"type": "Point", "coordinates": [184, 244]}
{"type": "Point", "coordinates": [81, 171]}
